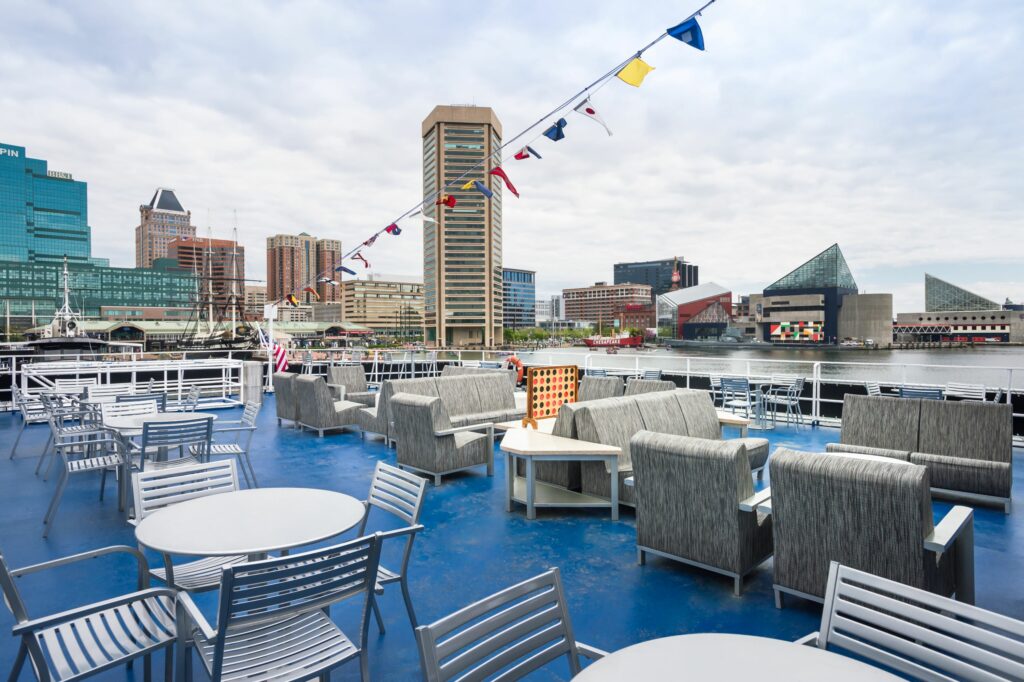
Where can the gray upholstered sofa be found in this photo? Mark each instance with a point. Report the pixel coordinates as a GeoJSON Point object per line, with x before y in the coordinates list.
{"type": "Point", "coordinates": [595, 388]}
{"type": "Point", "coordinates": [351, 378]}
{"type": "Point", "coordinates": [638, 386]}
{"type": "Point", "coordinates": [462, 370]}
{"type": "Point", "coordinates": [694, 504]}
{"type": "Point", "coordinates": [284, 397]}
{"type": "Point", "coordinates": [966, 445]}
{"type": "Point", "coordinates": [427, 442]}
{"type": "Point", "coordinates": [318, 410]}
{"type": "Point", "coordinates": [868, 512]}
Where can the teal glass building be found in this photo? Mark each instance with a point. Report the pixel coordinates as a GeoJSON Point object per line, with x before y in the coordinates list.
{"type": "Point", "coordinates": [519, 296]}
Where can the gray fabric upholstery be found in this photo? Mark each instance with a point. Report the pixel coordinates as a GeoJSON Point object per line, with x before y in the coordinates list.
{"type": "Point", "coordinates": [385, 418]}
{"type": "Point", "coordinates": [638, 386]}
{"type": "Point", "coordinates": [756, 448]}
{"type": "Point", "coordinates": [967, 429]}
{"type": "Point", "coordinates": [459, 370]}
{"type": "Point", "coordinates": [864, 512]}
{"type": "Point", "coordinates": [353, 378]}
{"type": "Point", "coordinates": [416, 420]}
{"type": "Point", "coordinates": [662, 414]}
{"type": "Point", "coordinates": [595, 388]}
{"type": "Point", "coordinates": [284, 396]}
{"type": "Point", "coordinates": [687, 496]}
{"type": "Point", "coordinates": [967, 475]}
{"type": "Point", "coordinates": [564, 474]}
{"type": "Point", "coordinates": [901, 455]}
{"type": "Point", "coordinates": [317, 407]}
{"type": "Point", "coordinates": [880, 422]}
{"type": "Point", "coordinates": [612, 421]}
{"type": "Point", "coordinates": [700, 414]}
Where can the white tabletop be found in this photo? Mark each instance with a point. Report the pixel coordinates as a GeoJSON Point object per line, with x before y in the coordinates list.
{"type": "Point", "coordinates": [543, 425]}
{"type": "Point", "coordinates": [252, 521]}
{"type": "Point", "coordinates": [134, 422]}
{"type": "Point", "coordinates": [727, 658]}
{"type": "Point", "coordinates": [530, 442]}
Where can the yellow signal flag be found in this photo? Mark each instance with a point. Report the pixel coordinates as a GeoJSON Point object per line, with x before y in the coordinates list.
{"type": "Point", "coordinates": [468, 185]}
{"type": "Point", "coordinates": [635, 72]}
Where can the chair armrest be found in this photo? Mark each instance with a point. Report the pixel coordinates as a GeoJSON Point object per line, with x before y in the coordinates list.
{"type": "Point", "coordinates": [952, 524]}
{"type": "Point", "coordinates": [469, 427]}
{"type": "Point", "coordinates": [235, 428]}
{"type": "Point", "coordinates": [187, 612]}
{"type": "Point", "coordinates": [808, 640]}
{"type": "Point", "coordinates": [336, 385]}
{"type": "Point", "coordinates": [140, 558]}
{"type": "Point", "coordinates": [76, 613]}
{"type": "Point", "coordinates": [590, 652]}
{"type": "Point", "coordinates": [751, 503]}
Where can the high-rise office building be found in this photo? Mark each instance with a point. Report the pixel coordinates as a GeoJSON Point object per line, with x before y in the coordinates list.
{"type": "Point", "coordinates": [161, 221]}
{"type": "Point", "coordinates": [604, 303]}
{"type": "Point", "coordinates": [388, 304]}
{"type": "Point", "coordinates": [519, 298]}
{"type": "Point", "coordinates": [293, 263]}
{"type": "Point", "coordinates": [220, 266]}
{"type": "Point", "coordinates": [43, 213]}
{"type": "Point", "coordinates": [462, 250]}
{"type": "Point", "coordinates": [661, 275]}
{"type": "Point", "coordinates": [255, 299]}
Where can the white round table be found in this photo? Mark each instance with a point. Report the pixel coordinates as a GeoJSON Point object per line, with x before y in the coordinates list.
{"type": "Point", "coordinates": [253, 521]}
{"type": "Point", "coordinates": [132, 424]}
{"type": "Point", "coordinates": [727, 658]}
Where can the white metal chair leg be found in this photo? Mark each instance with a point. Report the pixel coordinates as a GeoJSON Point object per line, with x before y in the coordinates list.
{"type": "Point", "coordinates": [58, 494]}
{"type": "Point", "coordinates": [14, 448]}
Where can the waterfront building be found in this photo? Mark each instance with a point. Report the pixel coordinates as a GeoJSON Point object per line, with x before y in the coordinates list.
{"type": "Point", "coordinates": [549, 309]}
{"type": "Point", "coordinates": [143, 313]}
{"type": "Point", "coordinates": [293, 263]}
{"type": "Point", "coordinates": [462, 250]}
{"type": "Point", "coordinates": [519, 292]}
{"type": "Point", "coordinates": [387, 304]}
{"type": "Point", "coordinates": [161, 221]}
{"type": "Point", "coordinates": [681, 311]}
{"type": "Point", "coordinates": [941, 296]}
{"type": "Point", "coordinates": [255, 299]}
{"type": "Point", "coordinates": [602, 303]}
{"type": "Point", "coordinates": [43, 213]}
{"type": "Point", "coordinates": [219, 265]}
{"type": "Point", "coordinates": [662, 275]}
{"type": "Point", "coordinates": [642, 316]}
{"type": "Point", "coordinates": [954, 314]}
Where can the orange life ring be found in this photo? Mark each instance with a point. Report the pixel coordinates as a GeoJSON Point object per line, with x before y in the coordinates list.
{"type": "Point", "coordinates": [518, 364]}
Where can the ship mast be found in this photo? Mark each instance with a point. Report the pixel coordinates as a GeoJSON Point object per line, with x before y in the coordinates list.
{"type": "Point", "coordinates": [66, 318]}
{"type": "Point", "coordinates": [233, 298]}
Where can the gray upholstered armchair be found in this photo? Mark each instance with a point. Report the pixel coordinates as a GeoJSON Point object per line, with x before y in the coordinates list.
{"type": "Point", "coordinates": [695, 503]}
{"type": "Point", "coordinates": [702, 422]}
{"type": "Point", "coordinates": [318, 410]}
{"type": "Point", "coordinates": [284, 397]}
{"type": "Point", "coordinates": [638, 386]}
{"type": "Point", "coordinates": [350, 380]}
{"type": "Point", "coordinates": [867, 512]}
{"type": "Point", "coordinates": [595, 388]}
{"type": "Point", "coordinates": [427, 442]}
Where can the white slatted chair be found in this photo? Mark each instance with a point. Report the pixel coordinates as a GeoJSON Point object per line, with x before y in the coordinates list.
{"type": "Point", "coordinates": [73, 386]}
{"type": "Point", "coordinates": [513, 632]}
{"type": "Point", "coordinates": [965, 391]}
{"type": "Point", "coordinates": [273, 620]}
{"type": "Point", "coordinates": [101, 452]}
{"type": "Point", "coordinates": [651, 374]}
{"type": "Point", "coordinates": [400, 494]}
{"type": "Point", "coordinates": [873, 388]}
{"type": "Point", "coordinates": [717, 398]}
{"type": "Point", "coordinates": [91, 639]}
{"type": "Point", "coordinates": [67, 425]}
{"type": "Point", "coordinates": [100, 391]}
{"type": "Point", "coordinates": [32, 412]}
{"type": "Point", "coordinates": [191, 401]}
{"type": "Point", "coordinates": [113, 410]}
{"type": "Point", "coordinates": [156, 489]}
{"type": "Point", "coordinates": [917, 633]}
{"type": "Point", "coordinates": [243, 429]}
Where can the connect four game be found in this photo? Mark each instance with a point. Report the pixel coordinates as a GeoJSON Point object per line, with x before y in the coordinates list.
{"type": "Point", "coordinates": [547, 389]}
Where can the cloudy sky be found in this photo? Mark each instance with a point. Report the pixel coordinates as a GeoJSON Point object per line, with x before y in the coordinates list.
{"type": "Point", "coordinates": [894, 128]}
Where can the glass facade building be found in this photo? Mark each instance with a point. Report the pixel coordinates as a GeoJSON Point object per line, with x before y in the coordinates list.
{"type": "Point", "coordinates": [941, 296]}
{"type": "Point", "coordinates": [661, 275]}
{"type": "Point", "coordinates": [462, 250]}
{"type": "Point", "coordinates": [519, 294]}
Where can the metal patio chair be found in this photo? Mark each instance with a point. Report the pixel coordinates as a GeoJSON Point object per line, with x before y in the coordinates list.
{"type": "Point", "coordinates": [965, 391]}
{"type": "Point", "coordinates": [400, 494]}
{"type": "Point", "coordinates": [67, 423]}
{"type": "Point", "coordinates": [32, 412]}
{"type": "Point", "coordinates": [90, 639]}
{"type": "Point", "coordinates": [651, 374]}
{"type": "Point", "coordinates": [156, 489]}
{"type": "Point", "coordinates": [102, 452]}
{"type": "Point", "coordinates": [592, 372]}
{"type": "Point", "coordinates": [160, 398]}
{"type": "Point", "coordinates": [921, 392]}
{"type": "Point", "coordinates": [513, 633]}
{"type": "Point", "coordinates": [115, 409]}
{"type": "Point", "coordinates": [191, 400]}
{"type": "Point", "coordinates": [737, 395]}
{"type": "Point", "coordinates": [273, 619]}
{"type": "Point", "coordinates": [243, 429]}
{"type": "Point", "coordinates": [873, 388]}
{"type": "Point", "coordinates": [192, 439]}
{"type": "Point", "coordinates": [716, 390]}
{"type": "Point", "coordinates": [785, 395]}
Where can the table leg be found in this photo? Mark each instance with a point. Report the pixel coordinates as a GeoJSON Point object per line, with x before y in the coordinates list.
{"type": "Point", "coordinates": [510, 479]}
{"type": "Point", "coordinates": [614, 463]}
{"type": "Point", "coordinates": [743, 431]}
{"type": "Point", "coordinates": [531, 513]}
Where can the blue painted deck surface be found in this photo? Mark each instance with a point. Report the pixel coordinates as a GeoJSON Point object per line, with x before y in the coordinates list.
{"type": "Point", "coordinates": [470, 548]}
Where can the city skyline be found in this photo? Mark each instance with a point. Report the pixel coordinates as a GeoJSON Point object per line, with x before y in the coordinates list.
{"type": "Point", "coordinates": [830, 137]}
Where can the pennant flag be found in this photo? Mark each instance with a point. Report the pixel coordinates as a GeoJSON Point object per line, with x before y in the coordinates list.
{"type": "Point", "coordinates": [312, 291]}
{"type": "Point", "coordinates": [500, 172]}
{"type": "Point", "coordinates": [342, 268]}
{"type": "Point", "coordinates": [482, 188]}
{"type": "Point", "coordinates": [468, 185]}
{"type": "Point", "coordinates": [369, 242]}
{"type": "Point", "coordinates": [327, 280]}
{"type": "Point", "coordinates": [635, 72]}
{"type": "Point", "coordinates": [525, 152]}
{"type": "Point", "coordinates": [362, 259]}
{"type": "Point", "coordinates": [587, 109]}
{"type": "Point", "coordinates": [554, 133]}
{"type": "Point", "coordinates": [393, 229]}
{"type": "Point", "coordinates": [446, 200]}
{"type": "Point", "coordinates": [292, 300]}
{"type": "Point", "coordinates": [419, 214]}
{"type": "Point", "coordinates": [688, 32]}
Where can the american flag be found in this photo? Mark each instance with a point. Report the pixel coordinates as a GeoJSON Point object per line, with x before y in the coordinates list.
{"type": "Point", "coordinates": [278, 351]}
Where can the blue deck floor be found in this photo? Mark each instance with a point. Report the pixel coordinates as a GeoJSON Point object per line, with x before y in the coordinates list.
{"type": "Point", "coordinates": [470, 548]}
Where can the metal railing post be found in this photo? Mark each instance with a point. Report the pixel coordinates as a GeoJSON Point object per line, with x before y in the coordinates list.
{"type": "Point", "coordinates": [816, 393]}
{"type": "Point", "coordinates": [687, 372]}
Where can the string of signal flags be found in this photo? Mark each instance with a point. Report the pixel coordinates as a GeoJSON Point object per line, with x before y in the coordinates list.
{"type": "Point", "coordinates": [632, 71]}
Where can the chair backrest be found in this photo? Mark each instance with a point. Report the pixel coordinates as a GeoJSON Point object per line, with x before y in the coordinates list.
{"type": "Point", "coordinates": [158, 488]}
{"type": "Point", "coordinates": [425, 386]}
{"type": "Point", "coordinates": [418, 417]}
{"type": "Point", "coordinates": [397, 492]}
{"type": "Point", "coordinates": [917, 633]}
{"type": "Point", "coordinates": [652, 374]}
{"type": "Point", "coordinates": [921, 392]}
{"type": "Point", "coordinates": [873, 388]}
{"type": "Point", "coordinates": [275, 589]}
{"type": "Point", "coordinates": [735, 386]}
{"type": "Point", "coordinates": [250, 412]}
{"type": "Point", "coordinates": [352, 377]}
{"type": "Point", "coordinates": [880, 422]}
{"type": "Point", "coordinates": [74, 386]}
{"type": "Point", "coordinates": [191, 401]}
{"type": "Point", "coordinates": [716, 382]}
{"type": "Point", "coordinates": [638, 386]}
{"type": "Point", "coordinates": [596, 388]}
{"type": "Point", "coordinates": [565, 422]}
{"type": "Point", "coordinates": [489, 364]}
{"type": "Point", "coordinates": [460, 370]}
{"type": "Point", "coordinates": [967, 429]}
{"type": "Point", "coordinates": [700, 414]}
{"type": "Point", "coordinates": [611, 422]}
{"type": "Point", "coordinates": [109, 410]}
{"type": "Point", "coordinates": [198, 431]}
{"type": "Point", "coordinates": [513, 632]}
{"type": "Point", "coordinates": [160, 398]}
{"type": "Point", "coordinates": [104, 390]}
{"type": "Point", "coordinates": [284, 396]}
{"type": "Point", "coordinates": [493, 391]}
{"type": "Point", "coordinates": [593, 372]}
{"type": "Point", "coordinates": [662, 413]}
{"type": "Point", "coordinates": [835, 508]}
{"type": "Point", "coordinates": [965, 391]}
